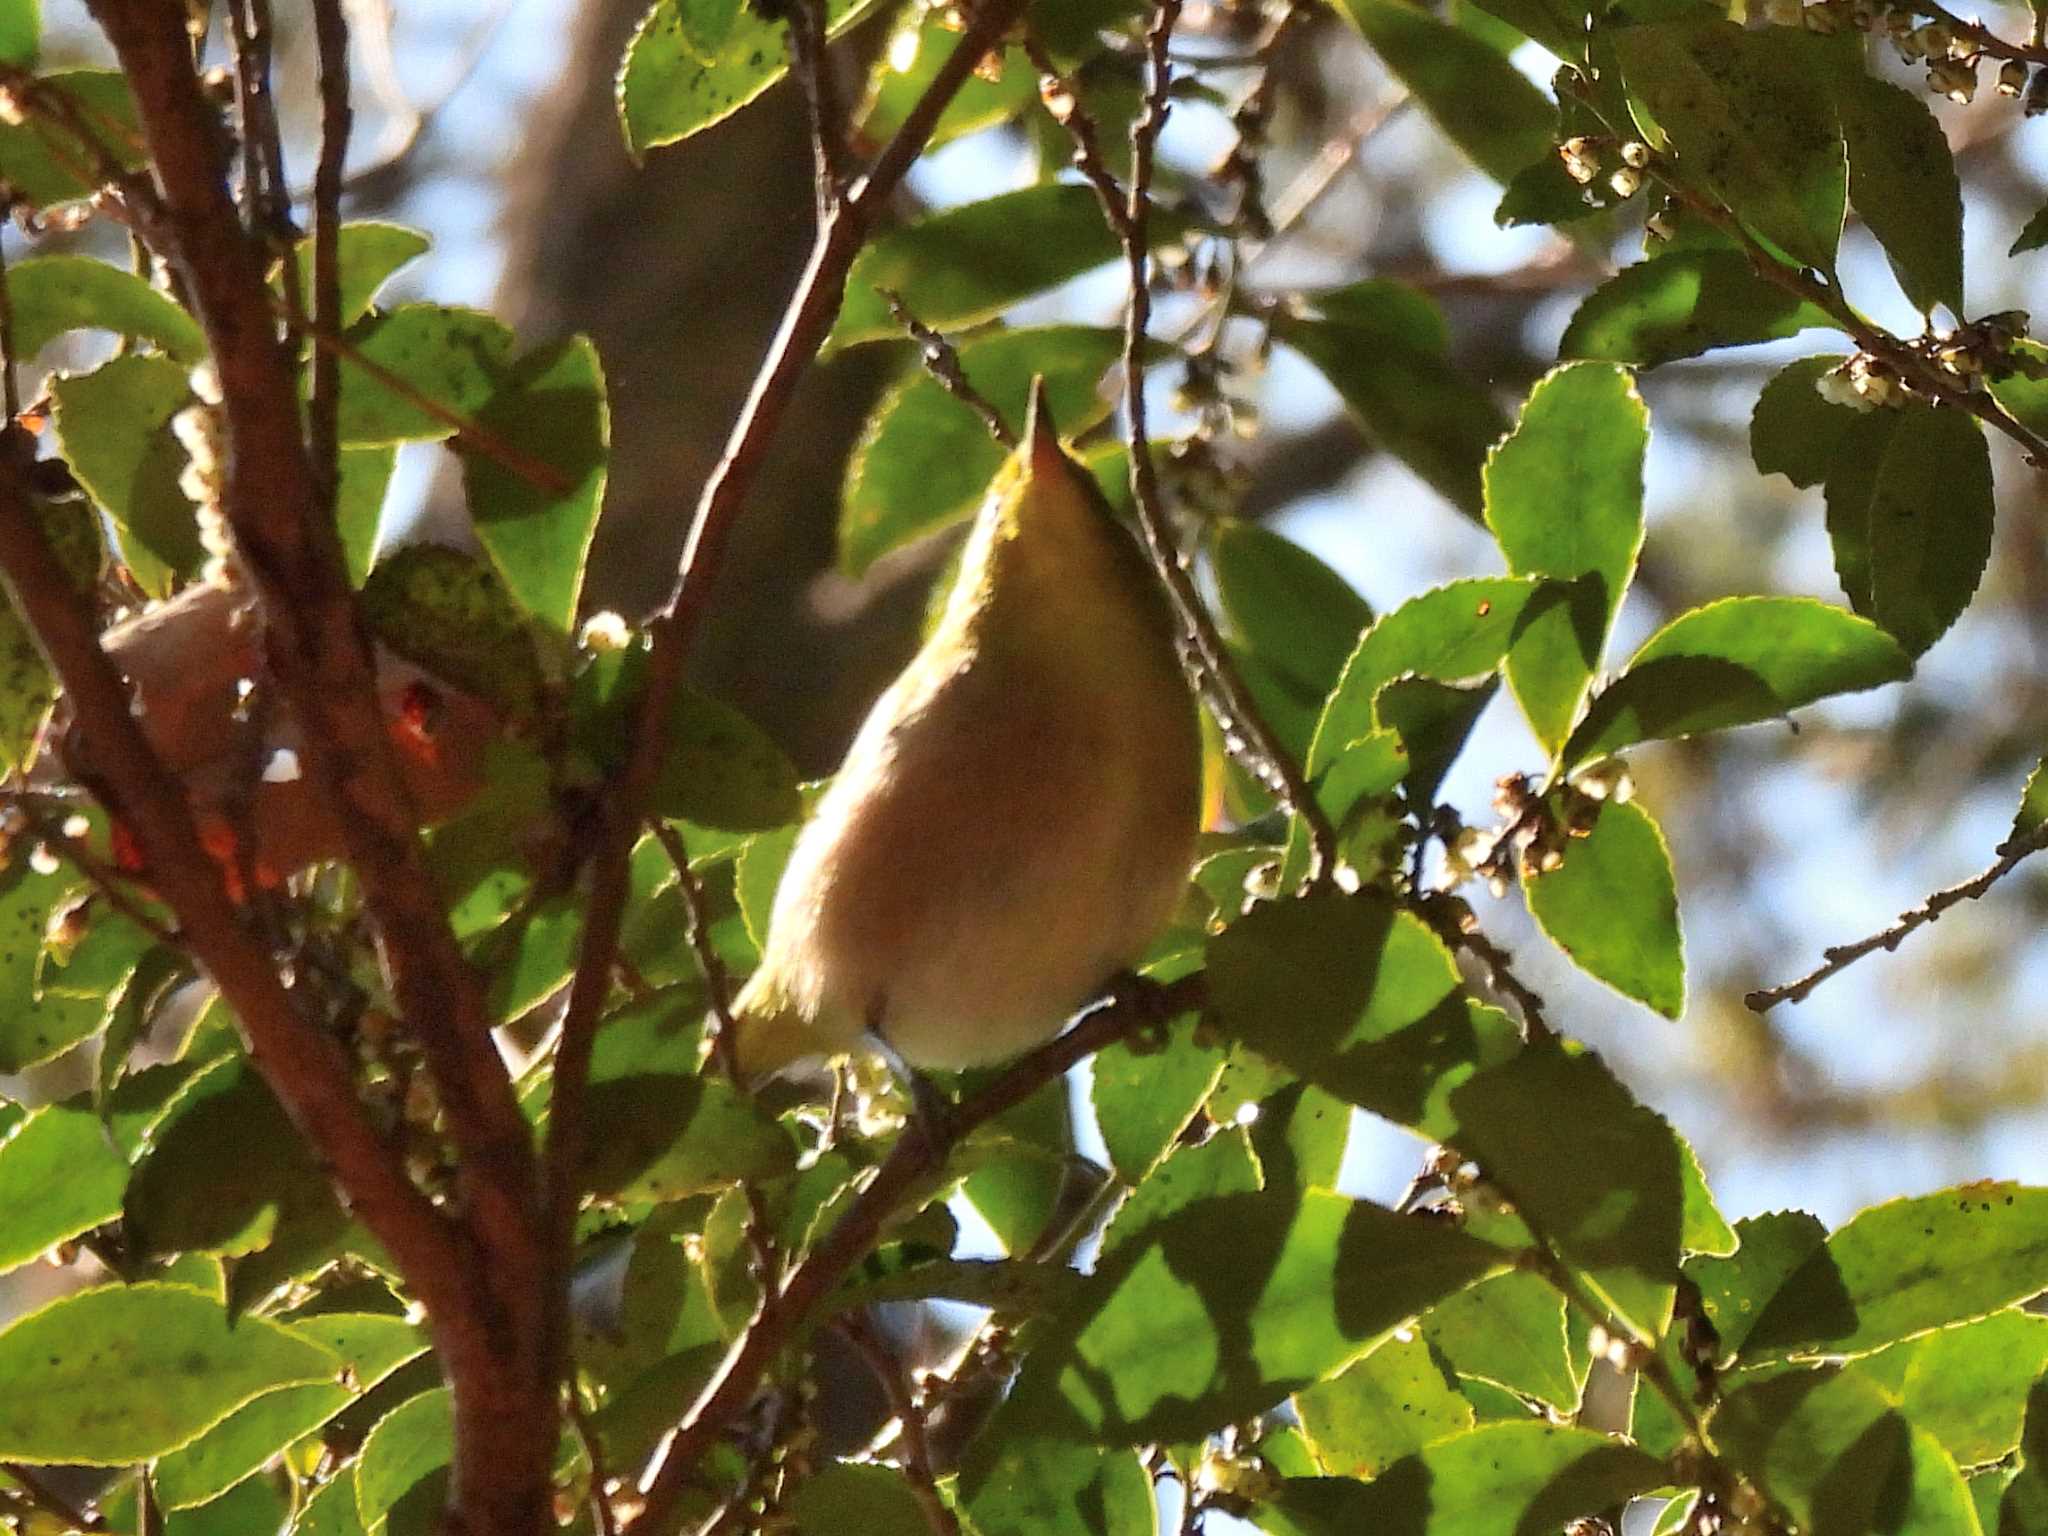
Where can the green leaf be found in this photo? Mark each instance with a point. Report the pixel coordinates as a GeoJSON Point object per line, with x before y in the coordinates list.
{"type": "Point", "coordinates": [21, 32]}
{"type": "Point", "coordinates": [844, 1498]}
{"type": "Point", "coordinates": [330, 1511]}
{"type": "Point", "coordinates": [1144, 1100]}
{"type": "Point", "coordinates": [1484, 105]}
{"type": "Point", "coordinates": [1027, 1158]}
{"type": "Point", "coordinates": [55, 294]}
{"type": "Point", "coordinates": [1902, 181]}
{"type": "Point", "coordinates": [1683, 304]}
{"type": "Point", "coordinates": [1360, 999]}
{"type": "Point", "coordinates": [925, 460]}
{"type": "Point", "coordinates": [38, 1022]}
{"type": "Point", "coordinates": [2033, 812]}
{"type": "Point", "coordinates": [1734, 662]}
{"type": "Point", "coordinates": [968, 264]}
{"type": "Point", "coordinates": [114, 429]}
{"type": "Point", "coordinates": [672, 85]}
{"type": "Point", "coordinates": [1388, 364]}
{"type": "Point", "coordinates": [369, 253]}
{"type": "Point", "coordinates": [60, 1175]}
{"type": "Point", "coordinates": [1793, 431]}
{"type": "Point", "coordinates": [43, 160]}
{"type": "Point", "coordinates": [1735, 1289]}
{"type": "Point", "coordinates": [125, 1373]}
{"type": "Point", "coordinates": [1218, 1310]}
{"type": "Point", "coordinates": [1451, 633]}
{"type": "Point", "coordinates": [551, 407]}
{"type": "Point", "coordinates": [371, 1347]}
{"type": "Point", "coordinates": [1510, 1331]}
{"type": "Point", "coordinates": [1919, 512]}
{"type": "Point", "coordinates": [1594, 1174]}
{"type": "Point", "coordinates": [457, 359]}
{"type": "Point", "coordinates": [1380, 1408]}
{"type": "Point", "coordinates": [1742, 111]}
{"type": "Point", "coordinates": [1706, 1229]}
{"type": "Point", "coordinates": [413, 1440]}
{"type": "Point", "coordinates": [722, 770]}
{"type": "Point", "coordinates": [1834, 1452]}
{"type": "Point", "coordinates": [1017, 1485]}
{"type": "Point", "coordinates": [1495, 1480]}
{"type": "Point", "coordinates": [447, 612]}
{"type": "Point", "coordinates": [2023, 1509]}
{"type": "Point", "coordinates": [225, 1171]}
{"type": "Point", "coordinates": [1559, 25]}
{"type": "Point", "coordinates": [670, 1132]}
{"type": "Point", "coordinates": [1285, 605]}
{"type": "Point", "coordinates": [1965, 1386]}
{"type": "Point", "coordinates": [1612, 908]}
{"type": "Point", "coordinates": [1564, 496]}
{"type": "Point", "coordinates": [980, 102]}
{"type": "Point", "coordinates": [1902, 1268]}
{"type": "Point", "coordinates": [359, 505]}
{"type": "Point", "coordinates": [2032, 236]}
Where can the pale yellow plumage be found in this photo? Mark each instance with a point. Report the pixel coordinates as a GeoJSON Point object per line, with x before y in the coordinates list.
{"type": "Point", "coordinates": [1014, 822]}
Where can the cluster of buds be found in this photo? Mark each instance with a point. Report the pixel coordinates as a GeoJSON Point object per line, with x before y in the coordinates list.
{"type": "Point", "coordinates": [1233, 1480]}
{"type": "Point", "coordinates": [1530, 837]}
{"type": "Point", "coordinates": [1738, 1511]}
{"type": "Point", "coordinates": [199, 431]}
{"type": "Point", "coordinates": [1954, 52]}
{"type": "Point", "coordinates": [1586, 159]}
{"type": "Point", "coordinates": [1966, 358]}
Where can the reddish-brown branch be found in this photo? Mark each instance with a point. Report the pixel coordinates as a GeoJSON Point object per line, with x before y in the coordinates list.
{"type": "Point", "coordinates": [320, 659]}
{"type": "Point", "coordinates": [916, 1158]}
{"type": "Point", "coordinates": [917, 1456]}
{"type": "Point", "coordinates": [806, 322]}
{"type": "Point", "coordinates": [302, 1063]}
{"type": "Point", "coordinates": [337, 118]}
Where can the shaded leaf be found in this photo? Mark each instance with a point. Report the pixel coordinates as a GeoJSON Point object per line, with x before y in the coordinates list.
{"type": "Point", "coordinates": [41, 157]}
{"type": "Point", "coordinates": [55, 294]}
{"type": "Point", "coordinates": [124, 1373]}
{"type": "Point", "coordinates": [968, 264]}
{"type": "Point", "coordinates": [1829, 1448]}
{"type": "Point", "coordinates": [1683, 304]}
{"type": "Point", "coordinates": [456, 359]}
{"type": "Point", "coordinates": [1360, 999]}
{"type": "Point", "coordinates": [448, 613]}
{"type": "Point", "coordinates": [1394, 378]}
{"type": "Point", "coordinates": [1495, 1480]}
{"type": "Point", "coordinates": [1591, 1171]}
{"type": "Point", "coordinates": [1907, 1266]}
{"type": "Point", "coordinates": [1018, 1485]}
{"type": "Point", "coordinates": [1742, 113]}
{"type": "Point", "coordinates": [2033, 812]}
{"type": "Point", "coordinates": [1218, 1310]}
{"type": "Point", "coordinates": [844, 1498]}
{"type": "Point", "coordinates": [1902, 181]}
{"type": "Point", "coordinates": [1285, 605]}
{"type": "Point", "coordinates": [925, 459]}
{"type": "Point", "coordinates": [2023, 1507]}
{"type": "Point", "coordinates": [1734, 662]}
{"type": "Point", "coordinates": [551, 407]}
{"type": "Point", "coordinates": [894, 86]}
{"type": "Point", "coordinates": [1612, 907]}
{"type": "Point", "coordinates": [370, 252]}
{"type": "Point", "coordinates": [677, 80]}
{"type": "Point", "coordinates": [410, 1442]}
{"type": "Point", "coordinates": [1484, 105]}
{"type": "Point", "coordinates": [1793, 431]}
{"type": "Point", "coordinates": [114, 429]}
{"type": "Point", "coordinates": [1509, 1330]}
{"type": "Point", "coordinates": [1380, 1408]}
{"type": "Point", "coordinates": [1965, 1386]}
{"type": "Point", "coordinates": [1143, 1101]}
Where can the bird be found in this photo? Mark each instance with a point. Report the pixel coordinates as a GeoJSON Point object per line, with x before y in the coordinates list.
{"type": "Point", "coordinates": [1015, 820]}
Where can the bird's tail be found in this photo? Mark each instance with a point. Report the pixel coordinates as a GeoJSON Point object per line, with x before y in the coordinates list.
{"type": "Point", "coordinates": [772, 1033]}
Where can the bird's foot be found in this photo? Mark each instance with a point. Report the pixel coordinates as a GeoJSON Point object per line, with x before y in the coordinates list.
{"type": "Point", "coordinates": [931, 1112]}
{"type": "Point", "coordinates": [1127, 991]}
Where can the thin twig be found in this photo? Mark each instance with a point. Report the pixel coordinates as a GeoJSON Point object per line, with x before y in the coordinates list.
{"type": "Point", "coordinates": [942, 361]}
{"type": "Point", "coordinates": [807, 321]}
{"type": "Point", "coordinates": [823, 110]}
{"type": "Point", "coordinates": [10, 386]}
{"type": "Point", "coordinates": [1449, 918]}
{"type": "Point", "coordinates": [103, 879]}
{"type": "Point", "coordinates": [917, 1456]}
{"type": "Point", "coordinates": [914, 1160]}
{"type": "Point", "coordinates": [601, 1512]}
{"type": "Point", "coordinates": [50, 1501]}
{"type": "Point", "coordinates": [1129, 212]}
{"type": "Point", "coordinates": [2011, 854]}
{"type": "Point", "coordinates": [266, 205]}
{"type": "Point", "coordinates": [472, 434]}
{"type": "Point", "coordinates": [1986, 40]}
{"type": "Point", "coordinates": [337, 117]}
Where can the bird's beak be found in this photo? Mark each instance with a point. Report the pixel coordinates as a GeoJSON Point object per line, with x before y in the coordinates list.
{"type": "Point", "coordinates": [1041, 437]}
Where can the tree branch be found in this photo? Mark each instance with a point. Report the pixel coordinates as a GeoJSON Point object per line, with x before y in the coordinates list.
{"type": "Point", "coordinates": [917, 1457]}
{"type": "Point", "coordinates": [915, 1158]}
{"type": "Point", "coordinates": [2011, 854]}
{"type": "Point", "coordinates": [806, 322]}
